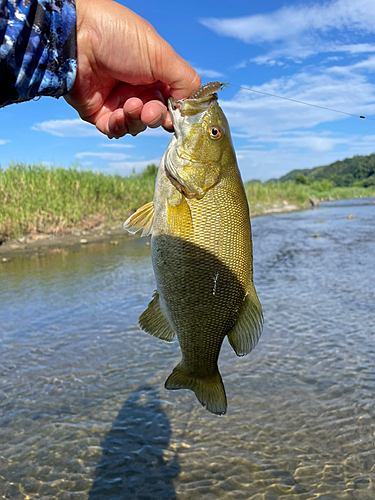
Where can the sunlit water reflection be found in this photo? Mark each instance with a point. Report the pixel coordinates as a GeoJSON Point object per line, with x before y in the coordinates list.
{"type": "Point", "coordinates": [84, 414]}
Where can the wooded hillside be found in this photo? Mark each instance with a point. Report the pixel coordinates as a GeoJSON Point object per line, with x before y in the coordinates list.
{"type": "Point", "coordinates": [356, 171]}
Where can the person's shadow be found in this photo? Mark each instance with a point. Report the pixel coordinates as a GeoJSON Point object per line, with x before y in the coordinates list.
{"type": "Point", "coordinates": [132, 465]}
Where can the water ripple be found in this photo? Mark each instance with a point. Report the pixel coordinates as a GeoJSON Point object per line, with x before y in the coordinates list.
{"type": "Point", "coordinates": [84, 414]}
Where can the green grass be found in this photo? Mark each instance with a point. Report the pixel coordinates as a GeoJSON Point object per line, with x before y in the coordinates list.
{"type": "Point", "coordinates": [263, 196]}
{"type": "Point", "coordinates": [34, 198]}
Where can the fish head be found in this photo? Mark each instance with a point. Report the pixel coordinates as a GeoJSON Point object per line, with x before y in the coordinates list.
{"type": "Point", "coordinates": [199, 150]}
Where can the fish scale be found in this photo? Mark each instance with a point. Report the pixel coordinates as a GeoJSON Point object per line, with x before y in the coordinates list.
{"type": "Point", "coordinates": [201, 249]}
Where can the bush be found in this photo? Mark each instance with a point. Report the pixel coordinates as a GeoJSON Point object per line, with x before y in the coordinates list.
{"type": "Point", "coordinates": [301, 179]}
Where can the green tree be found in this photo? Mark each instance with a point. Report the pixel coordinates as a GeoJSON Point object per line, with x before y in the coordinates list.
{"type": "Point", "coordinates": [301, 179]}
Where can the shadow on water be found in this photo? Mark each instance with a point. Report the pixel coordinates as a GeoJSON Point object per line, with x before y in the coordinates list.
{"type": "Point", "coordinates": [133, 466]}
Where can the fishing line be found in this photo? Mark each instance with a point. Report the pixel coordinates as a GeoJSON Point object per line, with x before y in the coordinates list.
{"type": "Point", "coordinates": [299, 102]}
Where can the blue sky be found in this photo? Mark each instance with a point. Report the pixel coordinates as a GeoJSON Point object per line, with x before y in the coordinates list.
{"type": "Point", "coordinates": [318, 52]}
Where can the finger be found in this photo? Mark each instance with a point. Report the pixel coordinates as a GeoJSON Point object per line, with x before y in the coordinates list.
{"type": "Point", "coordinates": [117, 126]}
{"type": "Point", "coordinates": [168, 123]}
{"type": "Point", "coordinates": [121, 112]}
{"type": "Point", "coordinates": [185, 87]}
{"type": "Point", "coordinates": [153, 114]}
{"type": "Point", "coordinates": [132, 113]}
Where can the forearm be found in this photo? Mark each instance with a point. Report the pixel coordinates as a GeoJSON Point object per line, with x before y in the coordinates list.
{"type": "Point", "coordinates": [37, 49]}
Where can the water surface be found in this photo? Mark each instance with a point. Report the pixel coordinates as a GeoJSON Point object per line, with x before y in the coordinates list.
{"type": "Point", "coordinates": [83, 411]}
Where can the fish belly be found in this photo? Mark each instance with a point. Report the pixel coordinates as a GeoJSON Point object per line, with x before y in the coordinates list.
{"type": "Point", "coordinates": [201, 278]}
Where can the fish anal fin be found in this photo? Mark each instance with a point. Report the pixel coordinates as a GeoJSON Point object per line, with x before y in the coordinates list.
{"type": "Point", "coordinates": [154, 321]}
{"type": "Point", "coordinates": [141, 219]}
{"type": "Point", "coordinates": [210, 391]}
{"type": "Point", "coordinates": [245, 334]}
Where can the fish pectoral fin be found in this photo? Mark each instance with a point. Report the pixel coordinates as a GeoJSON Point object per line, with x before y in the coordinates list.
{"type": "Point", "coordinates": [154, 321]}
{"type": "Point", "coordinates": [141, 219]}
{"type": "Point", "coordinates": [210, 391]}
{"type": "Point", "coordinates": [245, 334]}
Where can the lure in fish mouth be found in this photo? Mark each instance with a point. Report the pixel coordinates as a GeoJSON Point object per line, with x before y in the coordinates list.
{"type": "Point", "coordinates": [201, 249]}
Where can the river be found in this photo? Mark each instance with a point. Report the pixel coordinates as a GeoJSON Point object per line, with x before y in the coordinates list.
{"type": "Point", "coordinates": [83, 411]}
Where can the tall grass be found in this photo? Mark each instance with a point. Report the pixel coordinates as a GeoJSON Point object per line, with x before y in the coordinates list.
{"type": "Point", "coordinates": [52, 200]}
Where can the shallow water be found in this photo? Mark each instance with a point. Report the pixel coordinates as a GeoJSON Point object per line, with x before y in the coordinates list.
{"type": "Point", "coordinates": [83, 411]}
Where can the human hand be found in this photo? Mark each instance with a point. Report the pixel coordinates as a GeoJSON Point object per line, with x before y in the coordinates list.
{"type": "Point", "coordinates": [125, 71]}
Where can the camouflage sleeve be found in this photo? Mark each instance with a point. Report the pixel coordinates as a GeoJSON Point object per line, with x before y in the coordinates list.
{"type": "Point", "coordinates": [38, 50]}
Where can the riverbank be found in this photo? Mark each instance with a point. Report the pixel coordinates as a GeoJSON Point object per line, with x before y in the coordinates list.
{"type": "Point", "coordinates": [38, 244]}
{"type": "Point", "coordinates": [35, 244]}
{"type": "Point", "coordinates": [44, 209]}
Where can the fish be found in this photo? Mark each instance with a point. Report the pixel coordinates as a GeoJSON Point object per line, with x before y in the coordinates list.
{"type": "Point", "coordinates": [201, 249]}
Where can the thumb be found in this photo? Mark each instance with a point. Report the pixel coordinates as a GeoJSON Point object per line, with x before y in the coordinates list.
{"type": "Point", "coordinates": [175, 72]}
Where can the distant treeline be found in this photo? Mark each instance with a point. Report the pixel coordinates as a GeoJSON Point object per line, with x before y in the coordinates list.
{"type": "Point", "coordinates": [357, 171]}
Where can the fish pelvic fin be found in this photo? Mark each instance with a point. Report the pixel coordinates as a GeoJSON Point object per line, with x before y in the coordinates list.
{"type": "Point", "coordinates": [210, 391]}
{"type": "Point", "coordinates": [141, 219]}
{"type": "Point", "coordinates": [244, 336]}
{"type": "Point", "coordinates": [154, 321]}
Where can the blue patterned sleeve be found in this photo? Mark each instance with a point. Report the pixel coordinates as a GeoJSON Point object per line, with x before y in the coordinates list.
{"type": "Point", "coordinates": [38, 49]}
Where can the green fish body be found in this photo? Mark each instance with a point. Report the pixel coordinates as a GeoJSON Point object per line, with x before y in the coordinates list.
{"type": "Point", "coordinates": [201, 250]}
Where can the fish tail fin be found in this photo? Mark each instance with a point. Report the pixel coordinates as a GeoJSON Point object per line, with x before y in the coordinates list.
{"type": "Point", "coordinates": [209, 390]}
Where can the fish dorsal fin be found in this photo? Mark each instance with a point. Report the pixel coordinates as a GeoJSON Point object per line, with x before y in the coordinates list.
{"type": "Point", "coordinates": [141, 219]}
{"type": "Point", "coordinates": [154, 321]}
{"type": "Point", "coordinates": [245, 334]}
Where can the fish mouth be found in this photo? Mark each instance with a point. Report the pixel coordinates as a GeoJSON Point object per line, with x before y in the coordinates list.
{"type": "Point", "coordinates": [189, 107]}
{"type": "Point", "coordinates": [199, 98]}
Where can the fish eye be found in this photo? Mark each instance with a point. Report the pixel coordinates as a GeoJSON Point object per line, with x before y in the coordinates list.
{"type": "Point", "coordinates": [215, 132]}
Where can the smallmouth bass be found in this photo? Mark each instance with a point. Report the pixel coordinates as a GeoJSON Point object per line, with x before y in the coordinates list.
{"type": "Point", "coordinates": [201, 249]}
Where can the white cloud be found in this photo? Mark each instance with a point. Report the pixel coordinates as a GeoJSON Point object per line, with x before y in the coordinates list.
{"type": "Point", "coordinates": [282, 135]}
{"type": "Point", "coordinates": [155, 132]}
{"type": "Point", "coordinates": [116, 145]}
{"type": "Point", "coordinates": [79, 128]}
{"type": "Point", "coordinates": [255, 115]}
{"type": "Point", "coordinates": [67, 128]}
{"type": "Point", "coordinates": [102, 156]}
{"type": "Point", "coordinates": [296, 140]}
{"type": "Point", "coordinates": [300, 31]}
{"type": "Point", "coordinates": [299, 50]}
{"type": "Point", "coordinates": [128, 166]}
{"type": "Point", "coordinates": [367, 64]}
{"type": "Point", "coordinates": [355, 48]}
{"type": "Point", "coordinates": [208, 73]}
{"type": "Point", "coordinates": [290, 21]}
{"type": "Point", "coordinates": [3, 141]}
